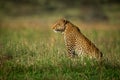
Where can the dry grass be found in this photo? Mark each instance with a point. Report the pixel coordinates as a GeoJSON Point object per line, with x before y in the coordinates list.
{"type": "Point", "coordinates": [30, 50]}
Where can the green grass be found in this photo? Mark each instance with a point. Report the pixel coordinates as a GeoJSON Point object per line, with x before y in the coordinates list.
{"type": "Point", "coordinates": [30, 53]}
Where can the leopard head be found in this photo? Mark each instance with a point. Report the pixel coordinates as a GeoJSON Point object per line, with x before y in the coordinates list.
{"type": "Point", "coordinates": [59, 26]}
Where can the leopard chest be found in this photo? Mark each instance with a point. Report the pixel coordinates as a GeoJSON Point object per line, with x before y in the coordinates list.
{"type": "Point", "coordinates": [73, 40]}
{"type": "Point", "coordinates": [69, 39]}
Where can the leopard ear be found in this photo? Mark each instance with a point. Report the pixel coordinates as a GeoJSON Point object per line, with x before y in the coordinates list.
{"type": "Point", "coordinates": [65, 21]}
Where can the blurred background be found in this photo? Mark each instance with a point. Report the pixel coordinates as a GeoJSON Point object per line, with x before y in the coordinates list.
{"type": "Point", "coordinates": [47, 11]}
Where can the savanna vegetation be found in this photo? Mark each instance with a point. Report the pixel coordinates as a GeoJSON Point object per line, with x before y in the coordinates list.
{"type": "Point", "coordinates": [30, 50]}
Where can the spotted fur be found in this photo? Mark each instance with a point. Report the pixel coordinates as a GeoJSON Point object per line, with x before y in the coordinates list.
{"type": "Point", "coordinates": [76, 43]}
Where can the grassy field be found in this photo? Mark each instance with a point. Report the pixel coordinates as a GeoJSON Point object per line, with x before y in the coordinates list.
{"type": "Point", "coordinates": [30, 50]}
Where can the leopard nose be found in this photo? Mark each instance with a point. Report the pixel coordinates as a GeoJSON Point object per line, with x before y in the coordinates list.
{"type": "Point", "coordinates": [53, 26]}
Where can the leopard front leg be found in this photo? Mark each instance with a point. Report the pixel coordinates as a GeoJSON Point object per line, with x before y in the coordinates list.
{"type": "Point", "coordinates": [70, 51]}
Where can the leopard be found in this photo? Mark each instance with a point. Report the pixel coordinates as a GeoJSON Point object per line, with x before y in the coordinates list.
{"type": "Point", "coordinates": [77, 44]}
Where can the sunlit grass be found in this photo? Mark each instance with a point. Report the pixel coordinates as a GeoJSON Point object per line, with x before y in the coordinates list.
{"type": "Point", "coordinates": [37, 53]}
